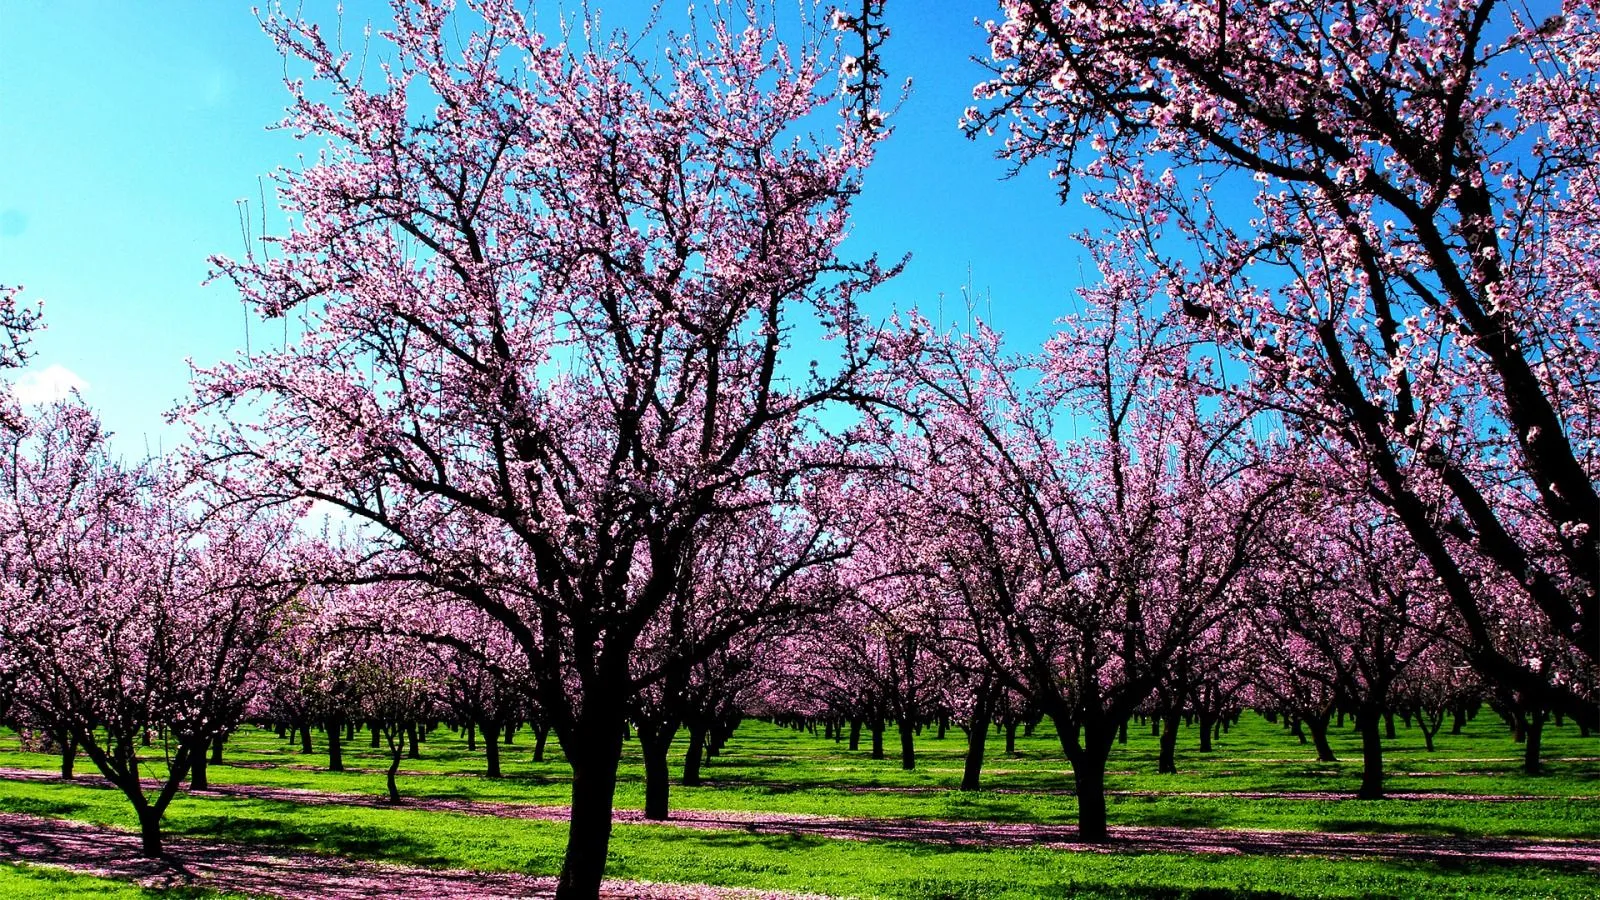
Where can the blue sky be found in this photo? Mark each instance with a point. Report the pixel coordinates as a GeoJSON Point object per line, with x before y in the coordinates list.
{"type": "Point", "coordinates": [132, 128]}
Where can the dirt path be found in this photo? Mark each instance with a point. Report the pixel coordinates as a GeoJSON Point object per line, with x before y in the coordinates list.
{"type": "Point", "coordinates": [292, 875]}
{"type": "Point", "coordinates": [1136, 839]}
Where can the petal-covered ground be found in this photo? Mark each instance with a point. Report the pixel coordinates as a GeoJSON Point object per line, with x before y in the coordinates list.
{"type": "Point", "coordinates": [230, 867]}
{"type": "Point", "coordinates": [1136, 839]}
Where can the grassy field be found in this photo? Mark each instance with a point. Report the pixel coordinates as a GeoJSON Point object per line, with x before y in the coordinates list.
{"type": "Point", "coordinates": [765, 768]}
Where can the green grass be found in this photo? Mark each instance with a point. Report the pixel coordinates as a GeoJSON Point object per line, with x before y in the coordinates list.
{"type": "Point", "coordinates": [774, 769]}
{"type": "Point", "coordinates": [847, 868]}
{"type": "Point", "coordinates": [19, 882]}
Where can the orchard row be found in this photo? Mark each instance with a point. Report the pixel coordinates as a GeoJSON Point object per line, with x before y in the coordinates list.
{"type": "Point", "coordinates": [539, 444]}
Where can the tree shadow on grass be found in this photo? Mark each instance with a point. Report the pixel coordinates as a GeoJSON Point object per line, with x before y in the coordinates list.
{"type": "Point", "coordinates": [1374, 826]}
{"type": "Point", "coordinates": [1183, 817]}
{"type": "Point", "coordinates": [349, 840]}
{"type": "Point", "coordinates": [40, 807]}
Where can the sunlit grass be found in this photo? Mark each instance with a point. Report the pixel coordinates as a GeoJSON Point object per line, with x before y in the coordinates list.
{"type": "Point", "coordinates": [767, 768]}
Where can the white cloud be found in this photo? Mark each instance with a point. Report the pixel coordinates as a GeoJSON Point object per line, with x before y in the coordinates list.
{"type": "Point", "coordinates": [48, 385]}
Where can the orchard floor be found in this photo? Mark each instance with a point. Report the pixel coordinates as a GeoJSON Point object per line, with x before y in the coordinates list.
{"type": "Point", "coordinates": [791, 812]}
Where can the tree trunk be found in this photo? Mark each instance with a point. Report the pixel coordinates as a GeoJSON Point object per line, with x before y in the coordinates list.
{"type": "Point", "coordinates": [1167, 763]}
{"type": "Point", "coordinates": [657, 787]}
{"type": "Point", "coordinates": [855, 734]}
{"type": "Point", "coordinates": [305, 737]}
{"type": "Point", "coordinates": [472, 738]}
{"type": "Point", "coordinates": [397, 747]}
{"type": "Point", "coordinates": [877, 739]}
{"type": "Point", "coordinates": [540, 733]}
{"type": "Point", "coordinates": [594, 787]}
{"type": "Point", "coordinates": [373, 728]}
{"type": "Point", "coordinates": [69, 756]}
{"type": "Point", "coordinates": [149, 832]}
{"type": "Point", "coordinates": [1369, 721]}
{"type": "Point", "coordinates": [691, 759]}
{"type": "Point", "coordinates": [197, 772]}
{"type": "Point", "coordinates": [1207, 723]}
{"type": "Point", "coordinates": [1530, 747]}
{"type": "Point", "coordinates": [908, 752]}
{"type": "Point", "coordinates": [1458, 719]}
{"type": "Point", "coordinates": [1317, 723]}
{"type": "Point", "coordinates": [491, 749]}
{"type": "Point", "coordinates": [1388, 724]}
{"type": "Point", "coordinates": [335, 745]}
{"type": "Point", "coordinates": [1011, 738]}
{"type": "Point", "coordinates": [216, 748]}
{"type": "Point", "coordinates": [411, 732]}
{"type": "Point", "coordinates": [1088, 778]}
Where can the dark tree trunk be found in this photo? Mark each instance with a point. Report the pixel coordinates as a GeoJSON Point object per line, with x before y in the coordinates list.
{"type": "Point", "coordinates": [305, 737]}
{"type": "Point", "coordinates": [1530, 747]}
{"type": "Point", "coordinates": [1167, 763]}
{"type": "Point", "coordinates": [908, 751]}
{"type": "Point", "coordinates": [472, 738]}
{"type": "Point", "coordinates": [69, 756]}
{"type": "Point", "coordinates": [977, 736]}
{"type": "Point", "coordinates": [216, 748]}
{"type": "Point", "coordinates": [855, 734]}
{"type": "Point", "coordinates": [1458, 719]}
{"type": "Point", "coordinates": [335, 745]}
{"type": "Point", "coordinates": [1122, 733]}
{"type": "Point", "coordinates": [1369, 721]}
{"type": "Point", "coordinates": [1317, 724]}
{"type": "Point", "coordinates": [594, 787]}
{"type": "Point", "coordinates": [877, 739]}
{"type": "Point", "coordinates": [1011, 738]}
{"type": "Point", "coordinates": [1207, 723]}
{"type": "Point", "coordinates": [149, 832]}
{"type": "Point", "coordinates": [394, 768]}
{"type": "Point", "coordinates": [197, 772]}
{"type": "Point", "coordinates": [491, 749]}
{"type": "Point", "coordinates": [540, 733]}
{"type": "Point", "coordinates": [412, 733]}
{"type": "Point", "coordinates": [373, 728]}
{"type": "Point", "coordinates": [1088, 778]}
{"type": "Point", "coordinates": [1388, 724]}
{"type": "Point", "coordinates": [655, 739]}
{"type": "Point", "coordinates": [691, 759]}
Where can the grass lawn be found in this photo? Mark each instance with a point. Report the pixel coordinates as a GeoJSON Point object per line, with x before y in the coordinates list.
{"type": "Point", "coordinates": [19, 882]}
{"type": "Point", "coordinates": [773, 769]}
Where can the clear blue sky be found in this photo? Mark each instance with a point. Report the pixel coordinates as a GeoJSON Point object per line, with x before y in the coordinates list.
{"type": "Point", "coordinates": [129, 129]}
